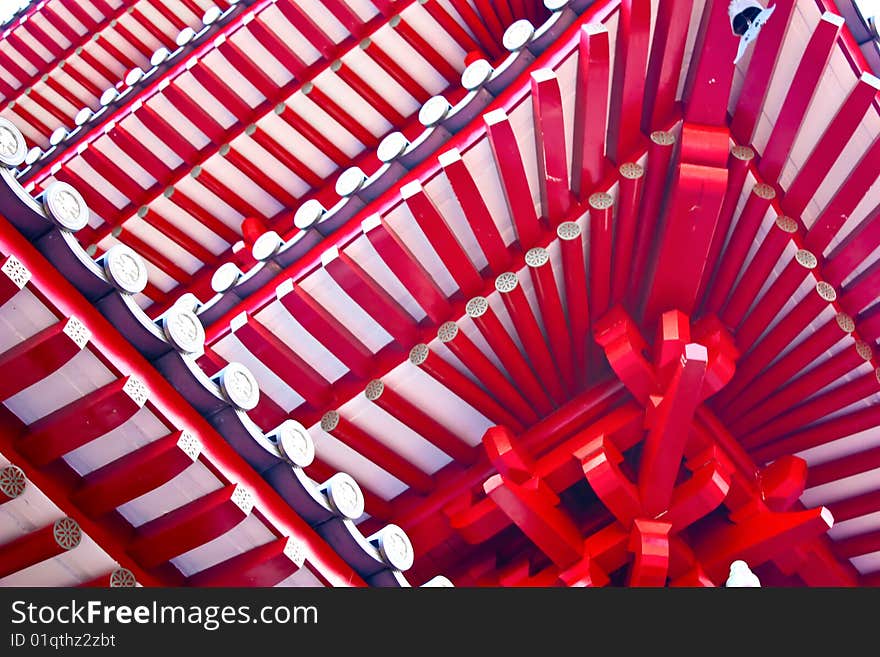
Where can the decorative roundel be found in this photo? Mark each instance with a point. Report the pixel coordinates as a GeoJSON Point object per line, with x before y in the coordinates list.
{"type": "Point", "coordinates": [863, 349]}
{"type": "Point", "coordinates": [391, 146]}
{"type": "Point", "coordinates": [567, 230]}
{"type": "Point", "coordinates": [308, 214]}
{"type": "Point", "coordinates": [211, 15]}
{"type": "Point", "coordinates": [66, 206]}
{"type": "Point", "coordinates": [134, 76]}
{"type": "Point", "coordinates": [335, 65]}
{"type": "Point", "coordinates": [395, 547]}
{"type": "Point", "coordinates": [419, 354]}
{"type": "Point", "coordinates": [447, 331]}
{"type": "Point", "coordinates": [350, 181]}
{"type": "Point", "coordinates": [185, 36]}
{"type": "Point", "coordinates": [537, 257]}
{"type": "Point", "coordinates": [125, 268]}
{"type": "Point", "coordinates": [225, 277]}
{"type": "Point", "coordinates": [806, 259]}
{"type": "Point", "coordinates": [826, 291]}
{"type": "Point", "coordinates": [110, 94]}
{"type": "Point", "coordinates": [344, 495]}
{"type": "Point", "coordinates": [601, 201]}
{"type": "Point", "coordinates": [631, 170]}
{"type": "Point", "coordinates": [159, 56]}
{"type": "Point", "coordinates": [845, 322]}
{"type": "Point", "coordinates": [663, 138]}
{"type": "Point", "coordinates": [374, 389]}
{"type": "Point", "coordinates": [295, 443]}
{"type": "Point", "coordinates": [507, 281]}
{"type": "Point", "coordinates": [433, 111]}
{"type": "Point", "coordinates": [83, 116]}
{"type": "Point", "coordinates": [58, 135]}
{"type": "Point", "coordinates": [517, 35]}
{"type": "Point", "coordinates": [329, 421]}
{"type": "Point", "coordinates": [122, 578]}
{"type": "Point", "coordinates": [67, 533]}
{"type": "Point", "coordinates": [12, 481]}
{"type": "Point", "coordinates": [786, 224]}
{"type": "Point", "coordinates": [477, 307]}
{"type": "Point", "coordinates": [475, 74]}
{"type": "Point", "coordinates": [743, 153]}
{"type": "Point", "coordinates": [33, 155]}
{"type": "Point", "coordinates": [183, 329]}
{"type": "Point", "coordinates": [266, 245]}
{"type": "Point", "coordinates": [762, 190]}
{"type": "Point", "coordinates": [239, 386]}
{"type": "Point", "coordinates": [12, 145]}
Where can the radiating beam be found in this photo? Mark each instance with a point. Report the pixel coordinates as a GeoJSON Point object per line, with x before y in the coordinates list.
{"type": "Point", "coordinates": [549, 138]}
{"type": "Point", "coordinates": [628, 200]}
{"type": "Point", "coordinates": [843, 467]}
{"type": "Point", "coordinates": [591, 109]}
{"type": "Point", "coordinates": [710, 76]}
{"type": "Point", "coordinates": [574, 274]}
{"type": "Point", "coordinates": [262, 566]}
{"type": "Point", "coordinates": [665, 63]}
{"type": "Point", "coordinates": [628, 84]}
{"type": "Point", "coordinates": [845, 258]}
{"type": "Point", "coordinates": [44, 543]}
{"type": "Point", "coordinates": [601, 248]}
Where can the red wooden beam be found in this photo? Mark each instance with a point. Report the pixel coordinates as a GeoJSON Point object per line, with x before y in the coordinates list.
{"type": "Point", "coordinates": [223, 192]}
{"type": "Point", "coordinates": [312, 134]}
{"type": "Point", "coordinates": [619, 336]}
{"type": "Point", "coordinates": [363, 89]}
{"type": "Point", "coordinates": [854, 546]}
{"type": "Point", "coordinates": [574, 274]}
{"type": "Point", "coordinates": [549, 134]}
{"type": "Point", "coordinates": [550, 304]}
{"type": "Point", "coordinates": [12, 483]}
{"type": "Point", "coordinates": [601, 461]}
{"type": "Point", "coordinates": [82, 421]}
{"type": "Point", "coordinates": [861, 292]}
{"type": "Point", "coordinates": [477, 28]}
{"type": "Point", "coordinates": [843, 467]}
{"type": "Point", "coordinates": [44, 543]}
{"type": "Point", "coordinates": [394, 70]}
{"type": "Point", "coordinates": [189, 526]}
{"type": "Point", "coordinates": [487, 322]}
{"type": "Point", "coordinates": [601, 249]}
{"type": "Point", "coordinates": [442, 372]}
{"type": "Point", "coordinates": [13, 278]}
{"type": "Point", "coordinates": [262, 566]}
{"type": "Point", "coordinates": [40, 355]}
{"type": "Point", "coordinates": [283, 155]}
{"type": "Point", "coordinates": [377, 452]}
{"type": "Point", "coordinates": [191, 207]}
{"type": "Point", "coordinates": [710, 76]}
{"type": "Point", "coordinates": [649, 542]}
{"type": "Point", "coordinates": [628, 84]}
{"type": "Point", "coordinates": [441, 237]}
{"type": "Point", "coordinates": [628, 200]}
{"type": "Point", "coordinates": [485, 372]}
{"type": "Point", "coordinates": [135, 474]}
{"type": "Point", "coordinates": [514, 182]}
{"type": "Point", "coordinates": [665, 63]}
{"type": "Point", "coordinates": [855, 249]}
{"type": "Point", "coordinates": [855, 506]}
{"type": "Point", "coordinates": [591, 109]}
{"type": "Point", "coordinates": [258, 176]}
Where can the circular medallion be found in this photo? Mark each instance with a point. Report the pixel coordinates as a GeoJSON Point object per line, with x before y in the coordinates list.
{"type": "Point", "coordinates": [806, 259]}
{"type": "Point", "coordinates": [58, 135]}
{"type": "Point", "coordinates": [125, 268]}
{"type": "Point", "coordinates": [12, 144]}
{"type": "Point", "coordinates": [134, 76]}
{"type": "Point", "coordinates": [350, 181]}
{"type": "Point", "coordinates": [419, 354]}
{"type": "Point", "coordinates": [743, 153]}
{"type": "Point", "coordinates": [475, 74]}
{"type": "Point", "coordinates": [67, 533]}
{"type": "Point", "coordinates": [663, 138]}
{"type": "Point", "coordinates": [845, 322]}
{"type": "Point", "coordinates": [537, 257]}
{"type": "Point", "coordinates": [447, 331]}
{"type": "Point", "coordinates": [185, 36]}
{"type": "Point", "coordinates": [601, 201]}
{"type": "Point", "coordinates": [12, 481]}
{"type": "Point", "coordinates": [183, 329]}
{"type": "Point", "coordinates": [225, 277]}
{"type": "Point", "coordinates": [477, 307]}
{"type": "Point", "coordinates": [122, 578]}
{"type": "Point", "coordinates": [211, 15]}
{"type": "Point", "coordinates": [308, 214]}
{"type": "Point", "coordinates": [266, 246]}
{"type": "Point", "coordinates": [433, 111]}
{"type": "Point", "coordinates": [631, 170]}
{"type": "Point", "coordinates": [239, 386]}
{"type": "Point", "coordinates": [66, 206]}
{"type": "Point", "coordinates": [517, 35]}
{"type": "Point", "coordinates": [344, 495]}
{"type": "Point", "coordinates": [395, 547]}
{"type": "Point", "coordinates": [159, 56]}
{"type": "Point", "coordinates": [391, 146]}
{"type": "Point", "coordinates": [764, 191]}
{"type": "Point", "coordinates": [374, 389]}
{"type": "Point", "coordinates": [568, 230]}
{"type": "Point", "coordinates": [786, 224]}
{"type": "Point", "coordinates": [826, 291]}
{"type": "Point", "coordinates": [295, 443]}
{"type": "Point", "coordinates": [507, 281]}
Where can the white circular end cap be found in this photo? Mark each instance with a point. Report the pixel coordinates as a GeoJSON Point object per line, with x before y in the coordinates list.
{"type": "Point", "coordinates": [122, 578]}
{"type": "Point", "coordinates": [433, 111]}
{"type": "Point", "coordinates": [308, 214]}
{"type": "Point", "coordinates": [266, 245]}
{"type": "Point", "coordinates": [125, 269]}
{"type": "Point", "coordinates": [391, 146]}
{"type": "Point", "coordinates": [183, 329]}
{"type": "Point", "coordinates": [185, 36]}
{"type": "Point", "coordinates": [134, 76]}
{"type": "Point", "coordinates": [395, 547]}
{"type": "Point", "coordinates": [67, 533]}
{"type": "Point", "coordinates": [225, 277]}
{"type": "Point", "coordinates": [33, 155]}
{"type": "Point", "coordinates": [295, 443]}
{"type": "Point", "coordinates": [83, 116]}
{"type": "Point", "coordinates": [12, 481]}
{"type": "Point", "coordinates": [12, 144]}
{"type": "Point", "coordinates": [350, 181]}
{"type": "Point", "coordinates": [517, 35]}
{"type": "Point", "coordinates": [476, 74]}
{"type": "Point", "coordinates": [159, 56]}
{"type": "Point", "coordinates": [66, 206]}
{"type": "Point", "coordinates": [211, 15]}
{"type": "Point", "coordinates": [344, 495]}
{"type": "Point", "coordinates": [108, 96]}
{"type": "Point", "coordinates": [58, 135]}
{"type": "Point", "coordinates": [239, 386]}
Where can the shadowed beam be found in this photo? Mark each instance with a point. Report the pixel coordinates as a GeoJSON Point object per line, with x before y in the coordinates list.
{"type": "Point", "coordinates": [845, 466]}
{"type": "Point", "coordinates": [590, 109]}
{"type": "Point", "coordinates": [664, 446]}
{"type": "Point", "coordinates": [649, 542]}
{"type": "Point", "coordinates": [710, 77]}
{"type": "Point", "coordinates": [619, 336]}
{"type": "Point", "coordinates": [600, 461]}
{"type": "Point", "coordinates": [472, 203]}
{"type": "Point", "coordinates": [854, 249]}
{"type": "Point", "coordinates": [628, 85]}
{"type": "Point", "coordinates": [496, 335]}
{"type": "Point", "coordinates": [265, 565]}
{"type": "Point", "coordinates": [28, 550]}
{"type": "Point", "coordinates": [695, 202]}
{"type": "Point", "coordinates": [765, 55]}
{"type": "Point", "coordinates": [189, 526]}
{"type": "Point", "coordinates": [857, 545]}
{"type": "Point", "coordinates": [282, 360]}
{"type": "Point", "coordinates": [445, 374]}
{"type": "Point", "coordinates": [830, 145]}
{"type": "Point", "coordinates": [376, 451]}
{"type": "Point", "coordinates": [82, 421]}
{"type": "Point", "coordinates": [550, 145]}
{"type": "Point", "coordinates": [441, 237]}
{"type": "Point", "coordinates": [759, 538]}
{"type": "Point", "coordinates": [574, 274]}
{"type": "Point", "coordinates": [40, 355]}
{"type": "Point", "coordinates": [601, 248]}
{"type": "Point", "coordinates": [856, 506]}
{"type": "Point", "coordinates": [665, 63]}
{"type": "Point", "coordinates": [862, 290]}
{"type": "Point", "coordinates": [135, 474]}
{"type": "Point", "coordinates": [514, 182]}
{"type": "Point", "coordinates": [628, 199]}
{"type": "Point", "coordinates": [698, 496]}
{"type": "Point", "coordinates": [400, 260]}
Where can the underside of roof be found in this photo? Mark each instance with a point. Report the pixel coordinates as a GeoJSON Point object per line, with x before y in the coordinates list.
{"type": "Point", "coordinates": [404, 293]}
